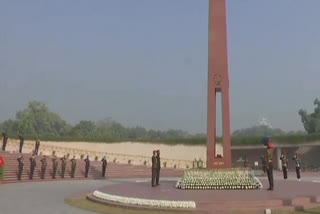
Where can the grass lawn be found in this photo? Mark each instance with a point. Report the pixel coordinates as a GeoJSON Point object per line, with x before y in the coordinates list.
{"type": "Point", "coordinates": [85, 204]}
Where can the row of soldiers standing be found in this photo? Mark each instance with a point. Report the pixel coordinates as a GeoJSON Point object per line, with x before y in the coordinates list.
{"type": "Point", "coordinates": [267, 164]}
{"type": "Point", "coordinates": [21, 138]}
{"type": "Point", "coordinates": [55, 164]}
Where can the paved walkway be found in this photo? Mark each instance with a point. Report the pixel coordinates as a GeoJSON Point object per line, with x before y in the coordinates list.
{"type": "Point", "coordinates": [48, 197]}
{"type": "Point", "coordinates": [45, 197]}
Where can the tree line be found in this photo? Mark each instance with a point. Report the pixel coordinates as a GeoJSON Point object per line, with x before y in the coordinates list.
{"type": "Point", "coordinates": [38, 120]}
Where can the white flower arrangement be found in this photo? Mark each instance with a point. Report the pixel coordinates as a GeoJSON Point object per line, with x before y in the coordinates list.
{"type": "Point", "coordinates": [145, 202]}
{"type": "Point", "coordinates": [219, 179]}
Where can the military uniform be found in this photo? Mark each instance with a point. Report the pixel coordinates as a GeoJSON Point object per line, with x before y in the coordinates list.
{"type": "Point", "coordinates": [154, 169]}
{"type": "Point", "coordinates": [73, 166]}
{"type": "Point", "coordinates": [20, 167]}
{"type": "Point", "coordinates": [43, 167]}
{"type": "Point", "coordinates": [298, 166]}
{"type": "Point", "coordinates": [284, 163]}
{"type": "Point", "coordinates": [4, 141]}
{"type": "Point", "coordinates": [87, 166]}
{"type": "Point", "coordinates": [37, 145]}
{"type": "Point", "coordinates": [54, 167]}
{"type": "Point", "coordinates": [21, 142]}
{"type": "Point", "coordinates": [63, 166]}
{"type": "Point", "coordinates": [33, 165]}
{"type": "Point", "coordinates": [104, 166]}
{"type": "Point", "coordinates": [269, 167]}
{"type": "Point", "coordinates": [158, 167]}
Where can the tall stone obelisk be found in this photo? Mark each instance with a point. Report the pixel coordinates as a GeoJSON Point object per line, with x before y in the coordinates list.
{"type": "Point", "coordinates": [218, 82]}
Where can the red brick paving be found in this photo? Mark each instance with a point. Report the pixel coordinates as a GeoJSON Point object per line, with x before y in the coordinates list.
{"type": "Point", "coordinates": [287, 195]}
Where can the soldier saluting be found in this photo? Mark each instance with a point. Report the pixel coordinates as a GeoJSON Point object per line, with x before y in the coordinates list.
{"type": "Point", "coordinates": [87, 166]}
{"type": "Point", "coordinates": [43, 166]}
{"type": "Point", "coordinates": [54, 166]}
{"type": "Point", "coordinates": [269, 165]}
{"type": "Point", "coordinates": [33, 165]}
{"type": "Point", "coordinates": [73, 166]}
{"type": "Point", "coordinates": [284, 163]}
{"type": "Point", "coordinates": [298, 165]}
{"type": "Point", "coordinates": [104, 166]}
{"type": "Point", "coordinates": [20, 166]}
{"type": "Point", "coordinates": [4, 141]}
{"type": "Point", "coordinates": [63, 165]}
{"type": "Point", "coordinates": [154, 169]}
{"type": "Point", "coordinates": [37, 145]}
{"type": "Point", "coordinates": [21, 142]}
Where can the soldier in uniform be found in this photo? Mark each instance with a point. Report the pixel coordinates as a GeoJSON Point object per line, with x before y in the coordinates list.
{"type": "Point", "coordinates": [54, 166]}
{"type": "Point", "coordinates": [21, 142]}
{"type": "Point", "coordinates": [284, 163]}
{"type": "Point", "coordinates": [4, 141]}
{"type": "Point", "coordinates": [37, 145]}
{"type": "Point", "coordinates": [43, 166]}
{"type": "Point", "coordinates": [104, 166]}
{"type": "Point", "coordinates": [158, 167]}
{"type": "Point", "coordinates": [20, 166]}
{"type": "Point", "coordinates": [269, 165]}
{"type": "Point", "coordinates": [63, 165]}
{"type": "Point", "coordinates": [298, 165]}
{"type": "Point", "coordinates": [33, 165]}
{"type": "Point", "coordinates": [154, 168]}
{"type": "Point", "coordinates": [73, 166]}
{"type": "Point", "coordinates": [87, 166]}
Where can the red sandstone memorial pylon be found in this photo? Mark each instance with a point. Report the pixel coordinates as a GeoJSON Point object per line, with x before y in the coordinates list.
{"type": "Point", "coordinates": [218, 82]}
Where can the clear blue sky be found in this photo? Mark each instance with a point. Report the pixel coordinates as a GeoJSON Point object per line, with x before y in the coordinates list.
{"type": "Point", "coordinates": [144, 62]}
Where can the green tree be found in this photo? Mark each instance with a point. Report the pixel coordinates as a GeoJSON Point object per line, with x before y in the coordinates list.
{"type": "Point", "coordinates": [37, 119]}
{"type": "Point", "coordinates": [311, 122]}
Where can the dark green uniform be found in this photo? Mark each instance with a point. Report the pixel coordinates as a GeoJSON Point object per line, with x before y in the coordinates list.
{"type": "Point", "coordinates": [73, 166]}
{"type": "Point", "coordinates": [33, 165]}
{"type": "Point", "coordinates": [158, 167]}
{"type": "Point", "coordinates": [54, 167]}
{"type": "Point", "coordinates": [104, 166]}
{"type": "Point", "coordinates": [43, 167]}
{"type": "Point", "coordinates": [37, 145]}
{"type": "Point", "coordinates": [298, 166]}
{"type": "Point", "coordinates": [87, 166]}
{"type": "Point", "coordinates": [154, 169]}
{"type": "Point", "coordinates": [63, 166]}
{"type": "Point", "coordinates": [269, 167]}
{"type": "Point", "coordinates": [4, 141]}
{"type": "Point", "coordinates": [20, 167]}
{"type": "Point", "coordinates": [21, 142]}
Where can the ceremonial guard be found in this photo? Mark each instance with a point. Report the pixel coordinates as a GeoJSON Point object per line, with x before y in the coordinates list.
{"type": "Point", "coordinates": [158, 167]}
{"type": "Point", "coordinates": [73, 166]}
{"type": "Point", "coordinates": [4, 141]}
{"type": "Point", "coordinates": [284, 162]}
{"type": "Point", "coordinates": [104, 166]}
{"type": "Point", "coordinates": [37, 145]}
{"type": "Point", "coordinates": [269, 165]}
{"type": "Point", "coordinates": [43, 166]}
{"type": "Point", "coordinates": [154, 168]}
{"type": "Point", "coordinates": [298, 165]}
{"type": "Point", "coordinates": [63, 165]}
{"type": "Point", "coordinates": [33, 165]}
{"type": "Point", "coordinates": [54, 166]}
{"type": "Point", "coordinates": [87, 166]}
{"type": "Point", "coordinates": [21, 142]}
{"type": "Point", "coordinates": [20, 166]}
